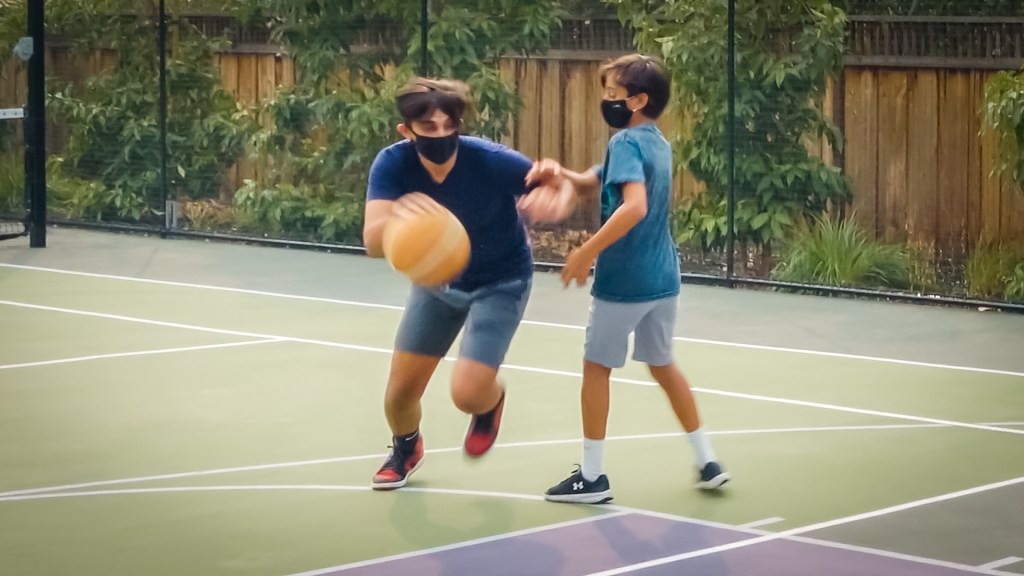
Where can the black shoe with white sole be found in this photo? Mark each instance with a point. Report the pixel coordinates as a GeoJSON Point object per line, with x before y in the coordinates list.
{"type": "Point", "coordinates": [578, 490]}
{"type": "Point", "coordinates": [712, 477]}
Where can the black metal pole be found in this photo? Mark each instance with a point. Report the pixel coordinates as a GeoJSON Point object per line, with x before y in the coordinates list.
{"type": "Point", "coordinates": [730, 121]}
{"type": "Point", "coordinates": [424, 31]}
{"type": "Point", "coordinates": [36, 126]}
{"type": "Point", "coordinates": [162, 48]}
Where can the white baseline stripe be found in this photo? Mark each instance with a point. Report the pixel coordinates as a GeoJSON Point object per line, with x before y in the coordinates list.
{"type": "Point", "coordinates": [343, 459]}
{"type": "Point", "coordinates": [530, 322]}
{"type": "Point", "coordinates": [806, 529]}
{"type": "Point", "coordinates": [139, 353]}
{"type": "Point", "coordinates": [521, 368]}
{"type": "Point", "coordinates": [1000, 563]}
{"type": "Point", "coordinates": [762, 522]}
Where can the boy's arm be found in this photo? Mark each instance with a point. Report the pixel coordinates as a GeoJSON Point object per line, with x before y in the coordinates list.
{"type": "Point", "coordinates": [626, 216]}
{"type": "Point", "coordinates": [376, 217]}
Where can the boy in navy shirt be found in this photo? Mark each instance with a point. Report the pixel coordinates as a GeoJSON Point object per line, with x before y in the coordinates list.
{"type": "Point", "coordinates": [480, 182]}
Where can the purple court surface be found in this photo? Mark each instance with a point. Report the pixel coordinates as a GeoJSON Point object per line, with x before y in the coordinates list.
{"type": "Point", "coordinates": [617, 541]}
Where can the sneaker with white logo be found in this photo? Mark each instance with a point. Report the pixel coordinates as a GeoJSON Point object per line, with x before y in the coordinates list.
{"type": "Point", "coordinates": [578, 490]}
{"type": "Point", "coordinates": [712, 477]}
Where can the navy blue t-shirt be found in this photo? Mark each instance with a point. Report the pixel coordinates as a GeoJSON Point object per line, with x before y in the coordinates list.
{"type": "Point", "coordinates": [481, 190]}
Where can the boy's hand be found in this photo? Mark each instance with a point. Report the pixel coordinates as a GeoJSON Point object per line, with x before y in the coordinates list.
{"type": "Point", "coordinates": [413, 203]}
{"type": "Point", "coordinates": [546, 171]}
{"type": "Point", "coordinates": [577, 267]}
{"type": "Point", "coordinates": [549, 202]}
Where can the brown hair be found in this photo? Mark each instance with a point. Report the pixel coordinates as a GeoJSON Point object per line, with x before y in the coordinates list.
{"type": "Point", "coordinates": [422, 96]}
{"type": "Point", "coordinates": [640, 74]}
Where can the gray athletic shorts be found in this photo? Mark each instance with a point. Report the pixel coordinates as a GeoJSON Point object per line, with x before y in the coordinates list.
{"type": "Point", "coordinates": [491, 314]}
{"type": "Point", "coordinates": [651, 323]}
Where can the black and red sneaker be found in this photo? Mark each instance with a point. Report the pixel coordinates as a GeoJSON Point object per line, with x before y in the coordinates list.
{"type": "Point", "coordinates": [483, 430]}
{"type": "Point", "coordinates": [398, 467]}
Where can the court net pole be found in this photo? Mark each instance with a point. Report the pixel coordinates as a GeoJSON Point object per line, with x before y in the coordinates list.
{"type": "Point", "coordinates": [35, 127]}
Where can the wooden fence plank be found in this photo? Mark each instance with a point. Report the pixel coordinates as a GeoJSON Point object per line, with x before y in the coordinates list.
{"type": "Point", "coordinates": [248, 94]}
{"type": "Point", "coordinates": [862, 145]}
{"type": "Point", "coordinates": [954, 144]}
{"type": "Point", "coordinates": [551, 109]}
{"type": "Point", "coordinates": [530, 114]}
{"type": "Point", "coordinates": [922, 148]}
{"type": "Point", "coordinates": [991, 189]}
{"type": "Point", "coordinates": [972, 219]}
{"type": "Point", "coordinates": [892, 154]}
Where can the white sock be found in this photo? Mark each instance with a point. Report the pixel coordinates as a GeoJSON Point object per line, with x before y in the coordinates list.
{"type": "Point", "coordinates": [702, 451]}
{"type": "Point", "coordinates": [593, 459]}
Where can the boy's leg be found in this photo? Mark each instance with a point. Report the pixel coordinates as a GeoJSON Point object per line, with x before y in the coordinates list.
{"type": "Point", "coordinates": [653, 345]}
{"type": "Point", "coordinates": [494, 315]}
{"type": "Point", "coordinates": [427, 330]}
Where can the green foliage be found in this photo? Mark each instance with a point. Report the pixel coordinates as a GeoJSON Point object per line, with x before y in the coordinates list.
{"type": "Point", "coordinates": [297, 211]}
{"type": "Point", "coordinates": [785, 52]}
{"type": "Point", "coordinates": [1004, 116]}
{"type": "Point", "coordinates": [113, 119]}
{"type": "Point", "coordinates": [992, 271]}
{"type": "Point", "coordinates": [318, 138]}
{"type": "Point", "coordinates": [1015, 284]}
{"type": "Point", "coordinates": [12, 183]}
{"type": "Point", "coordinates": [839, 253]}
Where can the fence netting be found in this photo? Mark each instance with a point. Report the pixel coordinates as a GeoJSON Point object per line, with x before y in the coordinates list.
{"type": "Point", "coordinates": [868, 144]}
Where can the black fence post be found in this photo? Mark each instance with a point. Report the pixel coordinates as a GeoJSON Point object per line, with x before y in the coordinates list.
{"type": "Point", "coordinates": [162, 48]}
{"type": "Point", "coordinates": [730, 238]}
{"type": "Point", "coordinates": [36, 125]}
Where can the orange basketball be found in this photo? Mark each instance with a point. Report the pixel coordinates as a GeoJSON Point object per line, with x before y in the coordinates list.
{"type": "Point", "coordinates": [430, 248]}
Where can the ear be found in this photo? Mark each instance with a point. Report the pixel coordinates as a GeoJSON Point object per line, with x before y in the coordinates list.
{"type": "Point", "coordinates": [641, 100]}
{"type": "Point", "coordinates": [405, 132]}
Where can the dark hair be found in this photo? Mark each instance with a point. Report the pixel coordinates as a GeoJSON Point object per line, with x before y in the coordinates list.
{"type": "Point", "coordinates": [418, 99]}
{"type": "Point", "coordinates": [640, 74]}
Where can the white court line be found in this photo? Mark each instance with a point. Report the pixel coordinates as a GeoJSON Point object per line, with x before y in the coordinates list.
{"type": "Point", "coordinates": [762, 522]}
{"type": "Point", "coordinates": [139, 353]}
{"type": "Point", "coordinates": [759, 397]}
{"type": "Point", "coordinates": [809, 528]}
{"type": "Point", "coordinates": [1000, 563]}
{"type": "Point", "coordinates": [529, 322]}
{"type": "Point", "coordinates": [530, 444]}
{"type": "Point", "coordinates": [615, 511]}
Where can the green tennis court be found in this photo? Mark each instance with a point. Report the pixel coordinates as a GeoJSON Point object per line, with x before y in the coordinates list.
{"type": "Point", "coordinates": [185, 407]}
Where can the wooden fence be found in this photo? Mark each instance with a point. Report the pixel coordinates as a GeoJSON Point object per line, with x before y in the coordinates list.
{"type": "Point", "coordinates": [919, 164]}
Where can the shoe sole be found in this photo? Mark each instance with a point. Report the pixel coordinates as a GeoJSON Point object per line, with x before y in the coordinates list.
{"type": "Point", "coordinates": [399, 483]}
{"type": "Point", "coordinates": [589, 498]}
{"type": "Point", "coordinates": [714, 483]}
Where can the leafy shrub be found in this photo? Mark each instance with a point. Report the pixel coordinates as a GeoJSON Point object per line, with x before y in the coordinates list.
{"type": "Point", "coordinates": [990, 271]}
{"type": "Point", "coordinates": [1015, 284]}
{"type": "Point", "coordinates": [839, 253]}
{"type": "Point", "coordinates": [114, 133]}
{"type": "Point", "coordinates": [208, 215]}
{"type": "Point", "coordinates": [298, 211]}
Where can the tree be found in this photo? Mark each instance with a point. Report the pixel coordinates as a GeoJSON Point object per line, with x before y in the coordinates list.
{"type": "Point", "coordinates": [786, 50]}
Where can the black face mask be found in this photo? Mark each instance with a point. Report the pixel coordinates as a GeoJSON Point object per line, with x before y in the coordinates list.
{"type": "Point", "coordinates": [437, 149]}
{"type": "Point", "coordinates": [616, 113]}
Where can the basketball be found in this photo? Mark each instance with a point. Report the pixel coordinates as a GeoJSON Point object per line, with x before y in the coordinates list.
{"type": "Point", "coordinates": [430, 248]}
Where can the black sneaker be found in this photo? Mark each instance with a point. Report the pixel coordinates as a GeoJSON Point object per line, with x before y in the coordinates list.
{"type": "Point", "coordinates": [398, 467]}
{"type": "Point", "coordinates": [579, 490]}
{"type": "Point", "coordinates": [712, 477]}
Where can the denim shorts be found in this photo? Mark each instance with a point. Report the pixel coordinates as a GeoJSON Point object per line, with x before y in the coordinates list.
{"type": "Point", "coordinates": [651, 323]}
{"type": "Point", "coordinates": [490, 314]}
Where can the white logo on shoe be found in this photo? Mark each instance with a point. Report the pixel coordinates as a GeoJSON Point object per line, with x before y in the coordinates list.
{"type": "Point", "coordinates": [577, 485]}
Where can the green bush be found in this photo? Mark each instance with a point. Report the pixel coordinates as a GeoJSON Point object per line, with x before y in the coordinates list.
{"type": "Point", "coordinates": [113, 125]}
{"type": "Point", "coordinates": [991, 271]}
{"type": "Point", "coordinates": [12, 183]}
{"type": "Point", "coordinates": [839, 253]}
{"type": "Point", "coordinates": [298, 211]}
{"type": "Point", "coordinates": [1015, 284]}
